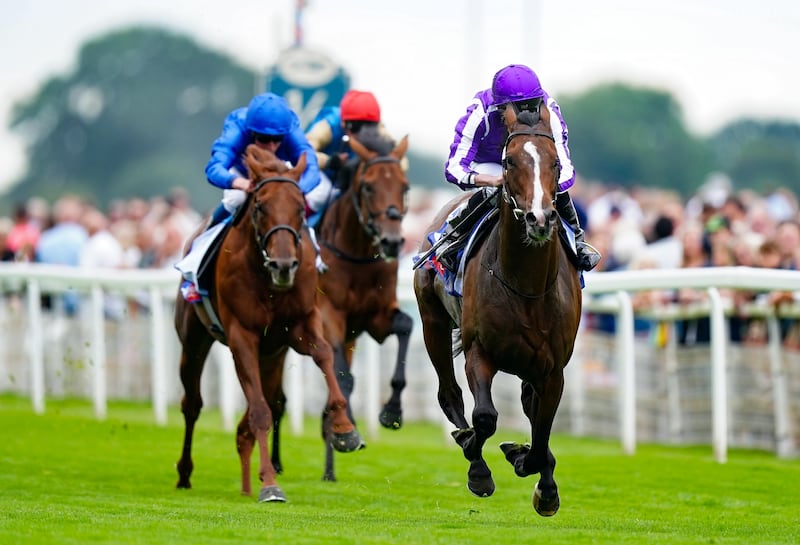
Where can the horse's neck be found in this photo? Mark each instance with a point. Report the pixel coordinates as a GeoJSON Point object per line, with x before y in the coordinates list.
{"type": "Point", "coordinates": [242, 238]}
{"type": "Point", "coordinates": [530, 269]}
{"type": "Point", "coordinates": [344, 230]}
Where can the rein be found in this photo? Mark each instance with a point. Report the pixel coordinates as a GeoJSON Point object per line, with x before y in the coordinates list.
{"type": "Point", "coordinates": [368, 223]}
{"type": "Point", "coordinates": [261, 240]}
{"type": "Point", "coordinates": [515, 291]}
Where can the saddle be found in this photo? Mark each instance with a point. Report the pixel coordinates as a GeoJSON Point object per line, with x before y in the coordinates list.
{"type": "Point", "coordinates": [198, 269]}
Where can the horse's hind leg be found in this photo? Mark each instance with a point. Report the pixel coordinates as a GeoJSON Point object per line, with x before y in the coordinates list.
{"type": "Point", "coordinates": [436, 332]}
{"type": "Point", "coordinates": [278, 408]}
{"type": "Point", "coordinates": [196, 342]}
{"type": "Point", "coordinates": [392, 414]}
{"type": "Point", "coordinates": [245, 442]}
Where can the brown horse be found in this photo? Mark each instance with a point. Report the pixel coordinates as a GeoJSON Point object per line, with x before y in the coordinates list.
{"type": "Point", "coordinates": [263, 292]}
{"type": "Point", "coordinates": [360, 239]}
{"type": "Point", "coordinates": [519, 313]}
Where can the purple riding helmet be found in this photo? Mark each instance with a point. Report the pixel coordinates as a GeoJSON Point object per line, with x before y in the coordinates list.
{"type": "Point", "coordinates": [515, 83]}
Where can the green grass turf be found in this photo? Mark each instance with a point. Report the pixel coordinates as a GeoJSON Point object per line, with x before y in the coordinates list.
{"type": "Point", "coordinates": [67, 478]}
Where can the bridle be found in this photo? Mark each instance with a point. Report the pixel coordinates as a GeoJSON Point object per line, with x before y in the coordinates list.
{"type": "Point", "coordinates": [391, 212]}
{"type": "Point", "coordinates": [518, 212]}
{"type": "Point", "coordinates": [360, 201]}
{"type": "Point", "coordinates": [261, 240]}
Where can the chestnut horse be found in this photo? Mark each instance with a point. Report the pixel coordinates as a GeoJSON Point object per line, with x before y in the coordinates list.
{"type": "Point", "coordinates": [360, 239]}
{"type": "Point", "coordinates": [519, 313]}
{"type": "Point", "coordinates": [263, 292]}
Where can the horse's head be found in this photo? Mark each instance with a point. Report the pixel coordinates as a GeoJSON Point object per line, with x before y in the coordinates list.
{"type": "Point", "coordinates": [277, 213]}
{"type": "Point", "coordinates": [379, 191]}
{"type": "Point", "coordinates": [530, 170]}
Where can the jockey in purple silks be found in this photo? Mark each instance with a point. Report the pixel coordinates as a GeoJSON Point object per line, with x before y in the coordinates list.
{"type": "Point", "coordinates": [476, 151]}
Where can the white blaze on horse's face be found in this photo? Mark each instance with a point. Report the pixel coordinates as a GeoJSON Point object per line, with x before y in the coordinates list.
{"type": "Point", "coordinates": [538, 189]}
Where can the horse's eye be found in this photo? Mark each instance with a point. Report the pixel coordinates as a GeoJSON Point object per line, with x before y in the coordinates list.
{"type": "Point", "coordinates": [368, 190]}
{"type": "Point", "coordinates": [508, 163]}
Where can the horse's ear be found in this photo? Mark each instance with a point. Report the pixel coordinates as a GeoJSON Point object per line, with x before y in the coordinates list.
{"type": "Point", "coordinates": [544, 115]}
{"type": "Point", "coordinates": [510, 117]}
{"type": "Point", "coordinates": [360, 149]}
{"type": "Point", "coordinates": [252, 160]}
{"type": "Point", "coordinates": [300, 167]}
{"type": "Point", "coordinates": [400, 149]}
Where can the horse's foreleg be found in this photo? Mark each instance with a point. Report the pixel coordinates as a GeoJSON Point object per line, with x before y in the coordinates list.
{"type": "Point", "coordinates": [480, 374]}
{"type": "Point", "coordinates": [244, 347]}
{"type": "Point", "coordinates": [346, 380]}
{"type": "Point", "coordinates": [540, 459]}
{"type": "Point", "coordinates": [392, 414]}
{"type": "Point", "coordinates": [338, 425]}
{"type": "Point", "coordinates": [196, 344]}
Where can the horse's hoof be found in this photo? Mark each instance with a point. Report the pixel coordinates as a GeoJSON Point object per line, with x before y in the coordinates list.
{"type": "Point", "coordinates": [270, 494]}
{"type": "Point", "coordinates": [329, 477]}
{"type": "Point", "coordinates": [514, 450]}
{"type": "Point", "coordinates": [347, 442]}
{"type": "Point", "coordinates": [391, 419]}
{"type": "Point", "coordinates": [483, 488]}
{"type": "Point", "coordinates": [515, 454]}
{"type": "Point", "coordinates": [546, 507]}
{"type": "Point", "coordinates": [463, 436]}
{"type": "Point", "coordinates": [183, 483]}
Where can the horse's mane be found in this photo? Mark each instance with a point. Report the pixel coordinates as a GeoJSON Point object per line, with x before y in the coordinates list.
{"type": "Point", "coordinates": [262, 163]}
{"type": "Point", "coordinates": [375, 139]}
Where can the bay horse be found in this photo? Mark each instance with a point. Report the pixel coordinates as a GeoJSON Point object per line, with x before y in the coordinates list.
{"type": "Point", "coordinates": [519, 313]}
{"type": "Point", "coordinates": [360, 239]}
{"type": "Point", "coordinates": [264, 294]}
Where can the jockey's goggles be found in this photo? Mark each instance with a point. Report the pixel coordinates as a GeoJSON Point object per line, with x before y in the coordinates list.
{"type": "Point", "coordinates": [267, 138]}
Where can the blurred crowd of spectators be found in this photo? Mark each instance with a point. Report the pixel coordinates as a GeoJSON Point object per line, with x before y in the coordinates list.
{"type": "Point", "coordinates": [633, 229]}
{"type": "Point", "coordinates": [134, 233]}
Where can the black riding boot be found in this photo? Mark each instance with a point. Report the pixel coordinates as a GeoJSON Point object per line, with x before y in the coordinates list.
{"type": "Point", "coordinates": [588, 256]}
{"type": "Point", "coordinates": [463, 222]}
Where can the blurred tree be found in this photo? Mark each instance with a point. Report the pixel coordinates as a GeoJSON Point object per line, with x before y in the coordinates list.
{"type": "Point", "coordinates": [627, 136]}
{"type": "Point", "coordinates": [759, 155]}
{"type": "Point", "coordinates": [136, 117]}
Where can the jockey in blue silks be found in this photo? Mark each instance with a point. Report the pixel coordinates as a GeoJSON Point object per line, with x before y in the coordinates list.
{"type": "Point", "coordinates": [476, 152]}
{"type": "Point", "coordinates": [270, 123]}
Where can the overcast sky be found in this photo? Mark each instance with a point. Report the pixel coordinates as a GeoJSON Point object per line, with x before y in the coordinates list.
{"type": "Point", "coordinates": [424, 59]}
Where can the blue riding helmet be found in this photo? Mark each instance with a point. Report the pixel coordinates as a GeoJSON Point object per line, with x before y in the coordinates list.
{"type": "Point", "coordinates": [515, 83]}
{"type": "Point", "coordinates": [269, 114]}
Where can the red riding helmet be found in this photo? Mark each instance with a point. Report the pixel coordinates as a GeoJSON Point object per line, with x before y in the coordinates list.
{"type": "Point", "coordinates": [360, 106]}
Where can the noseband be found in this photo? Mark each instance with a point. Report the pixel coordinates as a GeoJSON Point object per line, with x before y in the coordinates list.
{"type": "Point", "coordinates": [261, 241]}
{"type": "Point", "coordinates": [519, 213]}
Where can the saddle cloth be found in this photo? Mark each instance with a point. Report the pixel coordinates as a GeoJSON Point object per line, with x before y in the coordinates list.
{"type": "Point", "coordinates": [454, 280]}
